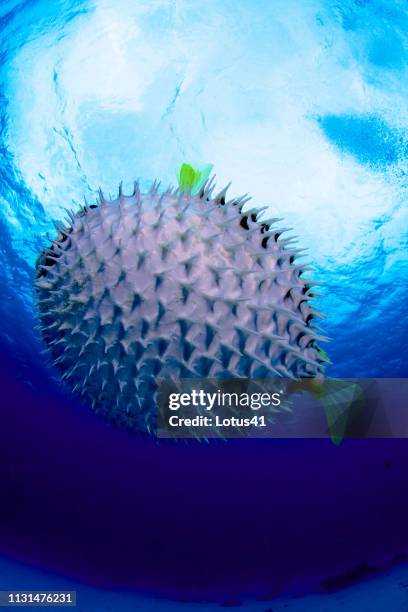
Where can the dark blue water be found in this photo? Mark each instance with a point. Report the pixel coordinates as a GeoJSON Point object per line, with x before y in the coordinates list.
{"type": "Point", "coordinates": [304, 106]}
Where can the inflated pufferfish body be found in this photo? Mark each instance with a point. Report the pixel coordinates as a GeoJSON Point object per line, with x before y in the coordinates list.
{"type": "Point", "coordinates": [172, 284]}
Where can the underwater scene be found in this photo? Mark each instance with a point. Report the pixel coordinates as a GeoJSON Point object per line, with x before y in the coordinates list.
{"type": "Point", "coordinates": [302, 107]}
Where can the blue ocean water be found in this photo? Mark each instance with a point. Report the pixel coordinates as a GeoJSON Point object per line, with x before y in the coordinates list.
{"type": "Point", "coordinates": [302, 104]}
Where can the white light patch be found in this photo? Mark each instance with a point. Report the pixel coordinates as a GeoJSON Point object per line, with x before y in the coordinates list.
{"type": "Point", "coordinates": [133, 89]}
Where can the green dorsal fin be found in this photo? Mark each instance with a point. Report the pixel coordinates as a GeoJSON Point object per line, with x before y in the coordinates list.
{"type": "Point", "coordinates": [191, 179]}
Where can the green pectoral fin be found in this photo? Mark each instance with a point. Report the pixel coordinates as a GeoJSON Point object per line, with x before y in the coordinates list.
{"type": "Point", "coordinates": [324, 355]}
{"type": "Point", "coordinates": [337, 398]}
{"type": "Point", "coordinates": [192, 179]}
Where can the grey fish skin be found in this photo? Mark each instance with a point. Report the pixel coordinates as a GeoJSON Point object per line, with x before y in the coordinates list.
{"type": "Point", "coordinates": [174, 285]}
